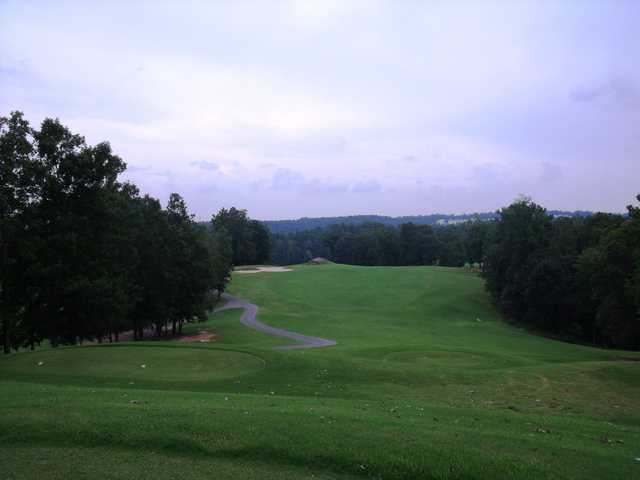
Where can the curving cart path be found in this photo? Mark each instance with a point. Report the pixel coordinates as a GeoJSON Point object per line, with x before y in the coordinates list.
{"type": "Point", "coordinates": [248, 318]}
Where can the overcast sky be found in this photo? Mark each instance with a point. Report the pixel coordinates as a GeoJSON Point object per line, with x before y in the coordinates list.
{"type": "Point", "coordinates": [308, 108]}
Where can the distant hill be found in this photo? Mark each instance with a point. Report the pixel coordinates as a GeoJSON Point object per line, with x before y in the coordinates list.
{"type": "Point", "coordinates": [305, 223]}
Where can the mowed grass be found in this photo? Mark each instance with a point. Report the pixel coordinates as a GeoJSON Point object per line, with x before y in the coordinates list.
{"type": "Point", "coordinates": [426, 381]}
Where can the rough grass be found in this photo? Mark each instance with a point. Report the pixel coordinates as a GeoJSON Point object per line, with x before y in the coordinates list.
{"type": "Point", "coordinates": [426, 382]}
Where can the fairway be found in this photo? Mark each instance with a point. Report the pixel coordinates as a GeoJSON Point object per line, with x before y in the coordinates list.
{"type": "Point", "coordinates": [426, 381]}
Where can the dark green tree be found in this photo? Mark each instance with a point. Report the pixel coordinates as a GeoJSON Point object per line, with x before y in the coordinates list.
{"type": "Point", "coordinates": [222, 258]}
{"type": "Point", "coordinates": [250, 239]}
{"type": "Point", "coordinates": [521, 229]}
{"type": "Point", "coordinates": [17, 191]}
{"type": "Point", "coordinates": [609, 275]}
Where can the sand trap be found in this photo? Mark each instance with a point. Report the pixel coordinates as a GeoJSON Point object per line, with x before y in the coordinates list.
{"type": "Point", "coordinates": [265, 269]}
{"type": "Point", "coordinates": [318, 261]}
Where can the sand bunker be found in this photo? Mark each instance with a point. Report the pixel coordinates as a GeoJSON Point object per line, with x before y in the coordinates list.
{"type": "Point", "coordinates": [318, 261]}
{"type": "Point", "coordinates": [264, 269]}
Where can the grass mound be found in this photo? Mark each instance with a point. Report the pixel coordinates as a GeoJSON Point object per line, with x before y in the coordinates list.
{"type": "Point", "coordinates": [135, 363]}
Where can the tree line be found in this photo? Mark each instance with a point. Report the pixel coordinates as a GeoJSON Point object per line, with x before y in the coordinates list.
{"type": "Point", "coordinates": [579, 277]}
{"type": "Point", "coordinates": [378, 244]}
{"type": "Point", "coordinates": [86, 257]}
{"type": "Point", "coordinates": [573, 276]}
{"type": "Point", "coordinates": [303, 224]}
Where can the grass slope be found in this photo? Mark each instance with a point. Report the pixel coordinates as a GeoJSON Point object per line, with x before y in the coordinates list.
{"type": "Point", "coordinates": [426, 382]}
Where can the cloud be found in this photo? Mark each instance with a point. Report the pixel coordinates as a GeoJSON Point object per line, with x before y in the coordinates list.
{"type": "Point", "coordinates": [205, 165]}
{"type": "Point", "coordinates": [367, 186]}
{"type": "Point", "coordinates": [326, 186]}
{"type": "Point", "coordinates": [287, 180]}
{"type": "Point", "coordinates": [313, 15]}
{"type": "Point", "coordinates": [138, 168]}
{"type": "Point", "coordinates": [308, 106]}
{"type": "Point", "coordinates": [210, 188]}
{"type": "Point", "coordinates": [621, 90]}
{"type": "Point", "coordinates": [550, 173]}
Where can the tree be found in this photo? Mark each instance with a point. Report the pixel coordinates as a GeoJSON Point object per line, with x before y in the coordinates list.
{"type": "Point", "coordinates": [73, 209]}
{"type": "Point", "coordinates": [521, 229]}
{"type": "Point", "coordinates": [151, 239]}
{"type": "Point", "coordinates": [609, 275]}
{"type": "Point", "coordinates": [250, 239]}
{"type": "Point", "coordinates": [190, 275]}
{"type": "Point", "coordinates": [83, 256]}
{"type": "Point", "coordinates": [17, 189]}
{"type": "Point", "coordinates": [476, 240]}
{"type": "Point", "coordinates": [222, 257]}
{"type": "Point", "coordinates": [261, 238]}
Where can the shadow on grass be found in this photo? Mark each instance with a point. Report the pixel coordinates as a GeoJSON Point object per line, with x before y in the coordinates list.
{"type": "Point", "coordinates": [401, 466]}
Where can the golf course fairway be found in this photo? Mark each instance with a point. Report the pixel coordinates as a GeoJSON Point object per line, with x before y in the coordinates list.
{"type": "Point", "coordinates": [426, 380]}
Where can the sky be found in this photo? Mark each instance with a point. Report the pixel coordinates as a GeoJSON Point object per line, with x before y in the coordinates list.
{"type": "Point", "coordinates": [338, 107]}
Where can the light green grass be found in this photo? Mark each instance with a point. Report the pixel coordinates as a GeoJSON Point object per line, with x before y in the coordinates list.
{"type": "Point", "coordinates": [417, 387]}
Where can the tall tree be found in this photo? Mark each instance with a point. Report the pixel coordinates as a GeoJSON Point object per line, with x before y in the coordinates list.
{"type": "Point", "coordinates": [521, 229]}
{"type": "Point", "coordinates": [76, 183]}
{"type": "Point", "coordinates": [250, 239]}
{"type": "Point", "coordinates": [83, 256]}
{"type": "Point", "coordinates": [610, 273]}
{"type": "Point", "coordinates": [17, 189]}
{"type": "Point", "coordinates": [222, 258]}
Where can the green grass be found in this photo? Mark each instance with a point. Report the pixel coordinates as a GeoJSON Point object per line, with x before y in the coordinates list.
{"type": "Point", "coordinates": [426, 381]}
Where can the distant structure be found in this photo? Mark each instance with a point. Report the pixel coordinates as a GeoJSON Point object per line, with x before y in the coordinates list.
{"type": "Point", "coordinates": [439, 219]}
{"type": "Point", "coordinates": [452, 221]}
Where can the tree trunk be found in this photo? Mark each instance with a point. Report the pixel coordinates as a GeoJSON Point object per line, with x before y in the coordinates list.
{"type": "Point", "coordinates": [3, 268]}
{"type": "Point", "coordinates": [5, 335]}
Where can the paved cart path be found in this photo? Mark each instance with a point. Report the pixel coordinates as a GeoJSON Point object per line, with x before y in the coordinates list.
{"type": "Point", "coordinates": [248, 318]}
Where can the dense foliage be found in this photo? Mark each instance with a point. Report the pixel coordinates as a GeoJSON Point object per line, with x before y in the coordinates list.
{"type": "Point", "coordinates": [301, 225]}
{"type": "Point", "coordinates": [379, 244]}
{"type": "Point", "coordinates": [85, 257]}
{"type": "Point", "coordinates": [568, 276]}
{"type": "Point", "coordinates": [250, 239]}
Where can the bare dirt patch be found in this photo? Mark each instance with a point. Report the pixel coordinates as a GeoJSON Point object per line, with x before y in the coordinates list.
{"type": "Point", "coordinates": [203, 336]}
